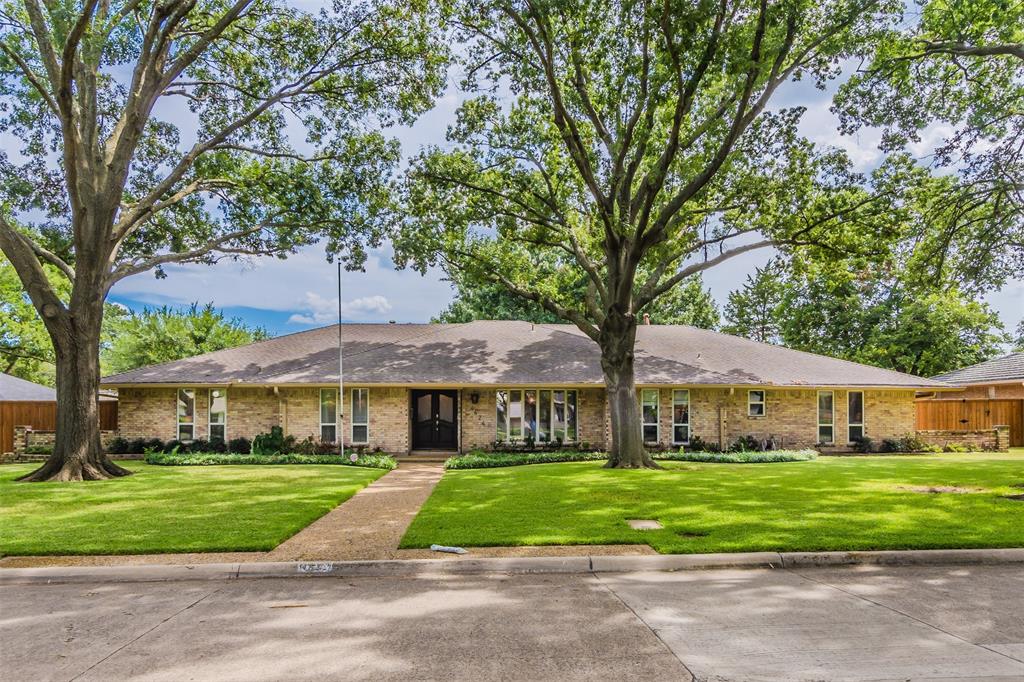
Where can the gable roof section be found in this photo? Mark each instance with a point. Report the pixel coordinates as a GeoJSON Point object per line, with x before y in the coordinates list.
{"type": "Point", "coordinates": [16, 389]}
{"type": "Point", "coordinates": [509, 353]}
{"type": "Point", "coordinates": [1007, 368]}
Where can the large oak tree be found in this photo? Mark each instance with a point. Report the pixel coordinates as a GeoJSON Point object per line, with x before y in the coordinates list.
{"type": "Point", "coordinates": [185, 131]}
{"type": "Point", "coordinates": [620, 147]}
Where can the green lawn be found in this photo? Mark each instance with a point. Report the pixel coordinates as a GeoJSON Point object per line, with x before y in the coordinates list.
{"type": "Point", "coordinates": [171, 509]}
{"type": "Point", "coordinates": [827, 504]}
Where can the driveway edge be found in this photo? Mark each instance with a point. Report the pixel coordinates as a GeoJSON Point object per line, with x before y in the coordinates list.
{"type": "Point", "coordinates": [435, 568]}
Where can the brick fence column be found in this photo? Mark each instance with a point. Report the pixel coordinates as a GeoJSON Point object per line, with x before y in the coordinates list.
{"type": "Point", "coordinates": [1002, 437]}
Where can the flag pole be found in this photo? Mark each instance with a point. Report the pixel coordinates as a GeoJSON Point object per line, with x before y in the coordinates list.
{"type": "Point", "coordinates": [341, 380]}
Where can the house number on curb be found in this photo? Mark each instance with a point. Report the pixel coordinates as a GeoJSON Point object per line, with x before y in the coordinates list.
{"type": "Point", "coordinates": [318, 567]}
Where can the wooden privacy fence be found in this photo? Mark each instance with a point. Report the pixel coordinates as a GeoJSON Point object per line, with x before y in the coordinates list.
{"type": "Point", "coordinates": [972, 415]}
{"type": "Point", "coordinates": [42, 416]}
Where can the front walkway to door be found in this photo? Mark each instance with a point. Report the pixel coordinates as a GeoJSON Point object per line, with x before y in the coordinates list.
{"type": "Point", "coordinates": [370, 524]}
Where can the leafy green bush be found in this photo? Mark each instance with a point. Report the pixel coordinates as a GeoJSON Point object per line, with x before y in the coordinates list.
{"type": "Point", "coordinates": [955, 447]}
{"type": "Point", "coordinates": [39, 450]}
{"type": "Point", "coordinates": [240, 446]}
{"type": "Point", "coordinates": [908, 443]}
{"type": "Point", "coordinates": [742, 457]}
{"type": "Point", "coordinates": [211, 459]}
{"type": "Point", "coordinates": [478, 459]}
{"type": "Point", "coordinates": [118, 446]}
{"type": "Point", "coordinates": [272, 443]}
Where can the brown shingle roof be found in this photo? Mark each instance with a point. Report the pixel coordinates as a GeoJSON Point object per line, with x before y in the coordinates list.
{"type": "Point", "coordinates": [510, 353]}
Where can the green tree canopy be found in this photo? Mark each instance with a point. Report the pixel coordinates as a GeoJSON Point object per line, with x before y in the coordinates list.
{"type": "Point", "coordinates": [284, 148]}
{"type": "Point", "coordinates": [955, 68]}
{"type": "Point", "coordinates": [862, 312]}
{"type": "Point", "coordinates": [754, 310]}
{"type": "Point", "coordinates": [689, 302]}
{"type": "Point", "coordinates": [163, 334]}
{"type": "Point", "coordinates": [637, 144]}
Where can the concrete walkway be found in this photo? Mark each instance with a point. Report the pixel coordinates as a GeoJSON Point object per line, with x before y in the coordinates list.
{"type": "Point", "coordinates": [857, 624]}
{"type": "Point", "coordinates": [370, 524]}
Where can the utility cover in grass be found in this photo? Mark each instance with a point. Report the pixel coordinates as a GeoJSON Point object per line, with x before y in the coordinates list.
{"type": "Point", "coordinates": [644, 524]}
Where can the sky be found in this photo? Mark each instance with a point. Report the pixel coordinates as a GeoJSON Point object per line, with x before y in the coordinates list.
{"type": "Point", "coordinates": [300, 292]}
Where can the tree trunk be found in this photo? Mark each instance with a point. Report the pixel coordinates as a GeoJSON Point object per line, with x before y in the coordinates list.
{"type": "Point", "coordinates": [627, 451]}
{"type": "Point", "coordinates": [77, 452]}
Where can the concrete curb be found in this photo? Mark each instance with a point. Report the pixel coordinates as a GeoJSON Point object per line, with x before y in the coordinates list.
{"type": "Point", "coordinates": [439, 568]}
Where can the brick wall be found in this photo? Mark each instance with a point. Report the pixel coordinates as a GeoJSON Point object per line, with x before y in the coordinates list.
{"type": "Point", "coordinates": [716, 415]}
{"type": "Point", "coordinates": [997, 438]}
{"type": "Point", "coordinates": [26, 437]}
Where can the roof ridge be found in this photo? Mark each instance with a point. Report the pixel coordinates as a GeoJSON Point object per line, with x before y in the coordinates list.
{"type": "Point", "coordinates": [432, 329]}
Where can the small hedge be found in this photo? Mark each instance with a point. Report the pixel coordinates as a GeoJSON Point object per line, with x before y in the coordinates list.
{"type": "Point", "coordinates": [213, 459]}
{"type": "Point", "coordinates": [487, 460]}
{"type": "Point", "coordinates": [746, 457]}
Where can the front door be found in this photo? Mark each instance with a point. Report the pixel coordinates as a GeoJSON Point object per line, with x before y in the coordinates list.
{"type": "Point", "coordinates": [434, 420]}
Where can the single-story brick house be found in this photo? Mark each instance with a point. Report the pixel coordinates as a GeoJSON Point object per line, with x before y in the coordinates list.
{"type": "Point", "coordinates": [429, 387]}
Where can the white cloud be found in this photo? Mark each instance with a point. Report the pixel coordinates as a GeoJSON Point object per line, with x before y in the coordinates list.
{"type": "Point", "coordinates": [322, 310]}
{"type": "Point", "coordinates": [304, 284]}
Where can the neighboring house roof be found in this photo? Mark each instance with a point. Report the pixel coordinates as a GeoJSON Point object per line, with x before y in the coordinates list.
{"type": "Point", "coordinates": [1007, 368]}
{"type": "Point", "coordinates": [15, 389]}
{"type": "Point", "coordinates": [509, 353]}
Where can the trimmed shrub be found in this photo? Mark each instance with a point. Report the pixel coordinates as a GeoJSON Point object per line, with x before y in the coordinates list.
{"type": "Point", "coordinates": [151, 444]}
{"type": "Point", "coordinates": [312, 446]}
{"type": "Point", "coordinates": [137, 446]}
{"type": "Point", "coordinates": [698, 444]}
{"type": "Point", "coordinates": [740, 457]}
{"type": "Point", "coordinates": [863, 444]}
{"type": "Point", "coordinates": [118, 446]}
{"type": "Point", "coordinates": [39, 450]}
{"type": "Point", "coordinates": [956, 447]}
{"type": "Point", "coordinates": [479, 459]}
{"type": "Point", "coordinates": [218, 445]}
{"type": "Point", "coordinates": [212, 459]}
{"type": "Point", "coordinates": [240, 446]}
{"type": "Point", "coordinates": [174, 446]}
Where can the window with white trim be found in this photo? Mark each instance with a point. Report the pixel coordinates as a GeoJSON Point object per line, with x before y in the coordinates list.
{"type": "Point", "coordinates": [649, 410]}
{"type": "Point", "coordinates": [855, 415]}
{"type": "Point", "coordinates": [680, 416]}
{"type": "Point", "coordinates": [329, 415]}
{"type": "Point", "coordinates": [218, 414]}
{"type": "Point", "coordinates": [756, 403]}
{"type": "Point", "coordinates": [360, 415]}
{"type": "Point", "coordinates": [186, 414]}
{"type": "Point", "coordinates": [826, 417]}
{"type": "Point", "coordinates": [546, 415]}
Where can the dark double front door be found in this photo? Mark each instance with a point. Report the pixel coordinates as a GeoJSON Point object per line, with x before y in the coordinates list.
{"type": "Point", "coordinates": [435, 422]}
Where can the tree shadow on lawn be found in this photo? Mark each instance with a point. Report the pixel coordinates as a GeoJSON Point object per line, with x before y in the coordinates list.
{"type": "Point", "coordinates": [170, 510]}
{"type": "Point", "coordinates": [717, 507]}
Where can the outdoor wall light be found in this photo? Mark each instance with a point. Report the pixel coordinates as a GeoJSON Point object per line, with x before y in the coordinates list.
{"type": "Point", "coordinates": [474, 397]}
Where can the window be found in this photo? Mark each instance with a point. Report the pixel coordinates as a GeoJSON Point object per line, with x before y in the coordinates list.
{"type": "Point", "coordinates": [360, 415]}
{"type": "Point", "coordinates": [328, 415]}
{"type": "Point", "coordinates": [680, 416]}
{"type": "Point", "coordinates": [186, 414]}
{"type": "Point", "coordinates": [502, 416]}
{"type": "Point", "coordinates": [855, 415]}
{"type": "Point", "coordinates": [649, 410]}
{"type": "Point", "coordinates": [218, 414]}
{"type": "Point", "coordinates": [825, 417]}
{"type": "Point", "coordinates": [546, 415]}
{"type": "Point", "coordinates": [755, 404]}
